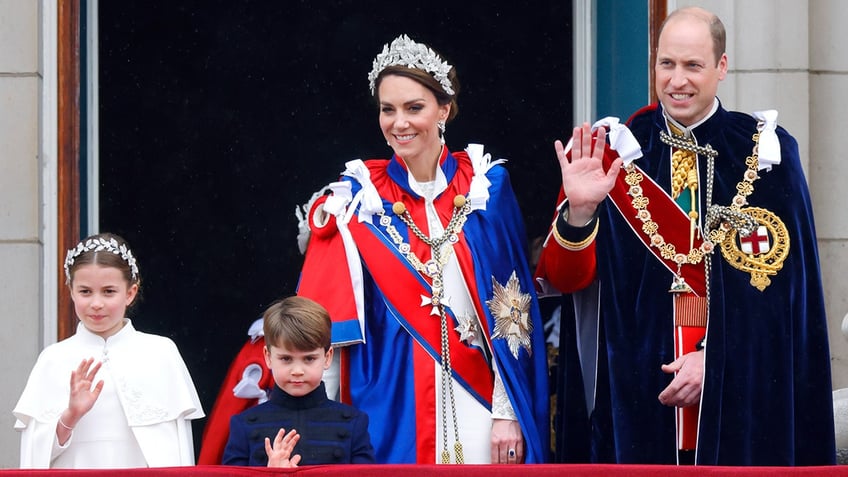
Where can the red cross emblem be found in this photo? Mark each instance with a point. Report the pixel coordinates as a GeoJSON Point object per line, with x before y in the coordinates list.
{"type": "Point", "coordinates": [756, 243]}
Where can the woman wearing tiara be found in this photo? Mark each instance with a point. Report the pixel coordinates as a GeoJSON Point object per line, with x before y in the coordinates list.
{"type": "Point", "coordinates": [421, 261]}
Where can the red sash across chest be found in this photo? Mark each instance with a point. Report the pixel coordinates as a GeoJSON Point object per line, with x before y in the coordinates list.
{"type": "Point", "coordinates": [403, 286]}
{"type": "Point", "coordinates": [673, 223]}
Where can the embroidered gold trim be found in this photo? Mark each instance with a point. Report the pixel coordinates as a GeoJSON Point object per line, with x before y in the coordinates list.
{"type": "Point", "coordinates": [575, 246]}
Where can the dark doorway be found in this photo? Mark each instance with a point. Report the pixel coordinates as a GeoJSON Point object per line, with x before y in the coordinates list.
{"type": "Point", "coordinates": [218, 117]}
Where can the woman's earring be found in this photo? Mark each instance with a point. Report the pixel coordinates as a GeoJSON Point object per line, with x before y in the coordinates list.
{"type": "Point", "coordinates": [441, 124]}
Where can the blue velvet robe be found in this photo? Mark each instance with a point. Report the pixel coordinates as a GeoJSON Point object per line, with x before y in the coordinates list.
{"type": "Point", "coordinates": [767, 390]}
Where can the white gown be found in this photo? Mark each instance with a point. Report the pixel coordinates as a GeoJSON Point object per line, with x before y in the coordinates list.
{"type": "Point", "coordinates": [474, 421]}
{"type": "Point", "coordinates": [141, 419]}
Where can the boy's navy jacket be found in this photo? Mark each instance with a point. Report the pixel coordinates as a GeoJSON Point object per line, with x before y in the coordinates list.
{"type": "Point", "coordinates": [330, 432]}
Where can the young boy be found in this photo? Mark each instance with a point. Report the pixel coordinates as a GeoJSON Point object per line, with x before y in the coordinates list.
{"type": "Point", "coordinates": [320, 431]}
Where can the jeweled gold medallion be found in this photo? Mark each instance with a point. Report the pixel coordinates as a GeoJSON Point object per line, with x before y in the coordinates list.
{"type": "Point", "coordinates": [762, 252]}
{"type": "Point", "coordinates": [511, 310]}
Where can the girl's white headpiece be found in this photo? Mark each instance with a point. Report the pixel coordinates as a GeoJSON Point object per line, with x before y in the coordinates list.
{"type": "Point", "coordinates": [100, 244]}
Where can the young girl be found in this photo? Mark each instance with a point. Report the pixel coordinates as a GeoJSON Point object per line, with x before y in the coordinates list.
{"type": "Point", "coordinates": [109, 396]}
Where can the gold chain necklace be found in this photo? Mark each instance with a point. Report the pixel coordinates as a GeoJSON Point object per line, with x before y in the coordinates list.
{"type": "Point", "coordinates": [650, 228]}
{"type": "Point", "coordinates": [434, 268]}
{"type": "Point", "coordinates": [719, 220]}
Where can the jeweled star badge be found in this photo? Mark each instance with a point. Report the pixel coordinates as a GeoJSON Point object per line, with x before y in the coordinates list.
{"type": "Point", "coordinates": [511, 310]}
{"type": "Point", "coordinates": [467, 328]}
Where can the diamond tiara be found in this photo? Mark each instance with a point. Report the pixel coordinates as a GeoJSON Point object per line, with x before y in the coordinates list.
{"type": "Point", "coordinates": [100, 244]}
{"type": "Point", "coordinates": [404, 52]}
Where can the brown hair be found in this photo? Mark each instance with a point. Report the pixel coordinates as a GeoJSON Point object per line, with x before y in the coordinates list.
{"type": "Point", "coordinates": [428, 81]}
{"type": "Point", "coordinates": [717, 31]}
{"type": "Point", "coordinates": [297, 322]}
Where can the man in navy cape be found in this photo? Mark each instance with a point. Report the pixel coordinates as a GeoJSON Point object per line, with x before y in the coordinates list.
{"type": "Point", "coordinates": [703, 336]}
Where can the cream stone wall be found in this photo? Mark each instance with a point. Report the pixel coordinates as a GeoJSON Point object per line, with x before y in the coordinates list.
{"type": "Point", "coordinates": [20, 209]}
{"type": "Point", "coordinates": [828, 168]}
